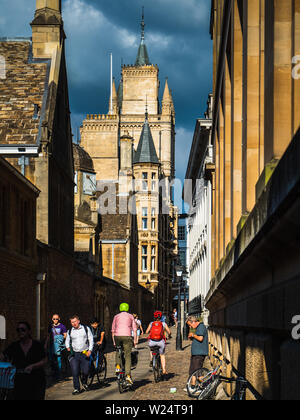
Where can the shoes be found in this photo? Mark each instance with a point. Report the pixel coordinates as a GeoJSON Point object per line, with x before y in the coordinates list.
{"type": "Point", "coordinates": [129, 380]}
{"type": "Point", "coordinates": [85, 387]}
{"type": "Point", "coordinates": [76, 392]}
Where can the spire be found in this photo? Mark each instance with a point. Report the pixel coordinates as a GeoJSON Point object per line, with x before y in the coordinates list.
{"type": "Point", "coordinates": [146, 152]}
{"type": "Point", "coordinates": [114, 98]}
{"type": "Point", "coordinates": [167, 101]}
{"type": "Point", "coordinates": [167, 94]}
{"type": "Point", "coordinates": [142, 58]}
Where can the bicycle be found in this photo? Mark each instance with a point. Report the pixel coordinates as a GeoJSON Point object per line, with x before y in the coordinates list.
{"type": "Point", "coordinates": [156, 364]}
{"type": "Point", "coordinates": [7, 380]}
{"type": "Point", "coordinates": [207, 382]}
{"type": "Point", "coordinates": [98, 368]}
{"type": "Point", "coordinates": [123, 385]}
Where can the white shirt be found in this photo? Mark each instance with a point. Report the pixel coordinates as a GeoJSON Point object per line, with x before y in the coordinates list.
{"type": "Point", "coordinates": [80, 341]}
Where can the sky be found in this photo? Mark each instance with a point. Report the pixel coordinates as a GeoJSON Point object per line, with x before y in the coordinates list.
{"type": "Point", "coordinates": [177, 38]}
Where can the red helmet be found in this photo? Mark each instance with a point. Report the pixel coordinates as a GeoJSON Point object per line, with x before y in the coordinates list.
{"type": "Point", "coordinates": [157, 314]}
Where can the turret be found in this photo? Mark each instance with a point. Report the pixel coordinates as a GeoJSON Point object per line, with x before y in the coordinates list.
{"type": "Point", "coordinates": [47, 28]}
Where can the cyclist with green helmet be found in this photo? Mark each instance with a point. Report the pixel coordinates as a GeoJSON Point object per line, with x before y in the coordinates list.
{"type": "Point", "coordinates": [122, 327]}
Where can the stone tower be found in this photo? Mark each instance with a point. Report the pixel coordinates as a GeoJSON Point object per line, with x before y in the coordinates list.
{"type": "Point", "coordinates": [118, 143]}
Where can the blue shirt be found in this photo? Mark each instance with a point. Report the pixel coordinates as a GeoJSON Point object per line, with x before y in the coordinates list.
{"type": "Point", "coordinates": [200, 349]}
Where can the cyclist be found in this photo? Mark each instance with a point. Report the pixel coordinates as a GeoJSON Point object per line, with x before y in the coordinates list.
{"type": "Point", "coordinates": [123, 324]}
{"type": "Point", "coordinates": [157, 338]}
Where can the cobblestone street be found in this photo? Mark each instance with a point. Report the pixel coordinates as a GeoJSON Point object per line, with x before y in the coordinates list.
{"type": "Point", "coordinates": [144, 386]}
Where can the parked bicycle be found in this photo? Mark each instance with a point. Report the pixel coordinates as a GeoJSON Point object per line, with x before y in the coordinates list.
{"type": "Point", "coordinates": [7, 380]}
{"type": "Point", "coordinates": [121, 377]}
{"type": "Point", "coordinates": [203, 384]}
{"type": "Point", "coordinates": [98, 368]}
{"type": "Point", "coordinates": [156, 364]}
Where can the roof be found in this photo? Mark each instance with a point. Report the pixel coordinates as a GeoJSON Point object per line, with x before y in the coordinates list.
{"type": "Point", "coordinates": [82, 160]}
{"type": "Point", "coordinates": [142, 58]}
{"type": "Point", "coordinates": [23, 93]}
{"type": "Point", "coordinates": [146, 152]}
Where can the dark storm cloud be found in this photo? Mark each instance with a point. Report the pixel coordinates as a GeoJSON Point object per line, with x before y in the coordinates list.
{"type": "Point", "coordinates": [177, 38]}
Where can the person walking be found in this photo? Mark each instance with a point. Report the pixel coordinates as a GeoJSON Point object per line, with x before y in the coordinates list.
{"type": "Point", "coordinates": [139, 326]}
{"type": "Point", "coordinates": [157, 338]}
{"type": "Point", "coordinates": [55, 343]}
{"type": "Point", "coordinates": [199, 340]}
{"type": "Point", "coordinates": [29, 358]}
{"type": "Point", "coordinates": [122, 327]}
{"type": "Point", "coordinates": [80, 344]}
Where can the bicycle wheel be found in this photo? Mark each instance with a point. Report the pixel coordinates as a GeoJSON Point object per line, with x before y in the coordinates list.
{"type": "Point", "coordinates": [209, 390]}
{"type": "Point", "coordinates": [157, 369]}
{"type": "Point", "coordinates": [197, 380]}
{"type": "Point", "coordinates": [121, 385]}
{"type": "Point", "coordinates": [102, 371]}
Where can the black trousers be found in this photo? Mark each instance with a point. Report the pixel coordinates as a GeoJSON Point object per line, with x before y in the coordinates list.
{"type": "Point", "coordinates": [79, 364]}
{"type": "Point", "coordinates": [196, 363]}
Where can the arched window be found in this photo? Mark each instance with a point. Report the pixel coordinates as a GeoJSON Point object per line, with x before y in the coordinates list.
{"type": "Point", "coordinates": [2, 67]}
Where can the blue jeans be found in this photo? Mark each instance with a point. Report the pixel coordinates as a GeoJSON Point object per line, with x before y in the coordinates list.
{"type": "Point", "coordinates": [79, 364]}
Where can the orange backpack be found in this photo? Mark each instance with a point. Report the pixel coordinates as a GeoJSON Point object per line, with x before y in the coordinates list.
{"type": "Point", "coordinates": [157, 331]}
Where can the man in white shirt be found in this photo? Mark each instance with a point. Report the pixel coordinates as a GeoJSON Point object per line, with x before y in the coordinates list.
{"type": "Point", "coordinates": [79, 343]}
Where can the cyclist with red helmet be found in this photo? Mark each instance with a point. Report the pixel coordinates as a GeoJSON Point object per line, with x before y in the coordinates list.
{"type": "Point", "coordinates": [157, 337]}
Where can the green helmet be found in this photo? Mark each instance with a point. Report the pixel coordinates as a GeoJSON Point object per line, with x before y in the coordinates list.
{"type": "Point", "coordinates": [124, 307]}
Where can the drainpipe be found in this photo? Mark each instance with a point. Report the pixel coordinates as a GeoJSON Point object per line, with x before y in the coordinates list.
{"type": "Point", "coordinates": [41, 279]}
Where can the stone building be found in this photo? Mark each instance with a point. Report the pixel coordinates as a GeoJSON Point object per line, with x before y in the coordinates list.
{"type": "Point", "coordinates": [36, 138]}
{"type": "Point", "coordinates": [135, 155]}
{"type": "Point", "coordinates": [18, 248]}
{"type": "Point", "coordinates": [254, 291]}
{"type": "Point", "coordinates": [199, 173]}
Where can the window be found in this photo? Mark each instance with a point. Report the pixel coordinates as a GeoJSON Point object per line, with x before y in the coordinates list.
{"type": "Point", "coordinates": [144, 258]}
{"type": "Point", "coordinates": [153, 184]}
{"type": "Point", "coordinates": [153, 224]}
{"type": "Point", "coordinates": [76, 182]}
{"type": "Point", "coordinates": [153, 263]}
{"type": "Point", "coordinates": [145, 218]}
{"type": "Point", "coordinates": [181, 233]}
{"type": "Point", "coordinates": [145, 181]}
{"type": "Point", "coordinates": [144, 264]}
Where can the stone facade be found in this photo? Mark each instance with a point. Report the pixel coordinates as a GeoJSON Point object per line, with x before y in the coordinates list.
{"type": "Point", "coordinates": [254, 291]}
{"type": "Point", "coordinates": [112, 140]}
{"type": "Point", "coordinates": [18, 253]}
{"type": "Point", "coordinates": [199, 173]}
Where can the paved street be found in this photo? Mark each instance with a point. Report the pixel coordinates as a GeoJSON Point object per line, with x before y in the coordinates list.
{"type": "Point", "coordinates": [144, 386]}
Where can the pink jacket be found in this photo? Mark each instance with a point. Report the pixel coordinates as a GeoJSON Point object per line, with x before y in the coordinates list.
{"type": "Point", "coordinates": [123, 325]}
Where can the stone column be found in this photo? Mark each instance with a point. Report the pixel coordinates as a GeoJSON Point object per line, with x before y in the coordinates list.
{"type": "Point", "coordinates": [237, 95]}
{"type": "Point", "coordinates": [278, 77]}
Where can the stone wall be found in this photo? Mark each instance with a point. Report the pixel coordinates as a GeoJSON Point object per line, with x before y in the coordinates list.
{"type": "Point", "coordinates": [256, 292]}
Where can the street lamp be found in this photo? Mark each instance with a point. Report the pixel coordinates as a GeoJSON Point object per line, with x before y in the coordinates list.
{"type": "Point", "coordinates": [185, 328]}
{"type": "Point", "coordinates": [179, 272]}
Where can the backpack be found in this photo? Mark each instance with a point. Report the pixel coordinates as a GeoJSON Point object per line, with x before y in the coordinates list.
{"type": "Point", "coordinates": [157, 331]}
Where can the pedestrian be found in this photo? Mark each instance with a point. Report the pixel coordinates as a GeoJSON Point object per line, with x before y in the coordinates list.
{"type": "Point", "coordinates": [122, 327]}
{"type": "Point", "coordinates": [175, 317]}
{"type": "Point", "coordinates": [139, 327]}
{"type": "Point", "coordinates": [199, 340]}
{"type": "Point", "coordinates": [29, 358]}
{"type": "Point", "coordinates": [55, 343]}
{"type": "Point", "coordinates": [80, 344]}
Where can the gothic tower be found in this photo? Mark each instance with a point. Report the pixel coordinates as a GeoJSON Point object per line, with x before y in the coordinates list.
{"type": "Point", "coordinates": [129, 150]}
